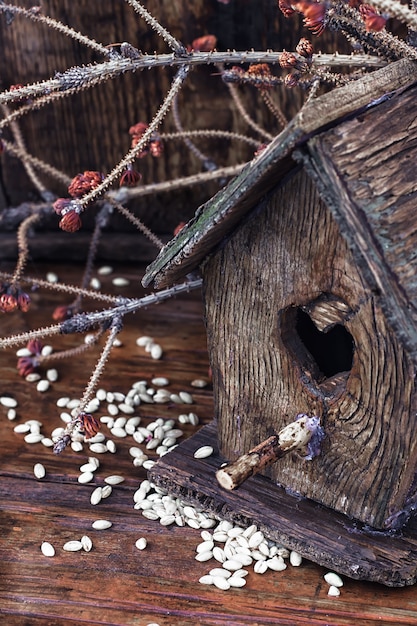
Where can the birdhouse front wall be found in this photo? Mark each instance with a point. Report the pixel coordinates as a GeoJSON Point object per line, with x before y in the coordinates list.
{"type": "Point", "coordinates": [293, 328]}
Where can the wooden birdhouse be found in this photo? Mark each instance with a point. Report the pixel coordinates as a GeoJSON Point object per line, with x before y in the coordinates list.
{"type": "Point", "coordinates": [309, 266]}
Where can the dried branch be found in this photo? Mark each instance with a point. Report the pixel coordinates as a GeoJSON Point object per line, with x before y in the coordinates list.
{"type": "Point", "coordinates": [77, 78]}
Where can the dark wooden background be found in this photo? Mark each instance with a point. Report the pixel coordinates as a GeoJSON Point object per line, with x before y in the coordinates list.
{"type": "Point", "coordinates": [90, 130]}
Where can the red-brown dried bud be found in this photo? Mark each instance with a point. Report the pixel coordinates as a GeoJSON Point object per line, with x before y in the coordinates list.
{"type": "Point", "coordinates": [260, 149]}
{"type": "Point", "coordinates": [373, 21]}
{"type": "Point", "coordinates": [286, 8]}
{"type": "Point", "coordinates": [1, 146]}
{"type": "Point", "coordinates": [292, 79]}
{"type": "Point", "coordinates": [70, 222]}
{"type": "Point", "coordinates": [130, 178]}
{"type": "Point", "coordinates": [260, 69]}
{"type": "Point", "coordinates": [62, 313]}
{"type": "Point", "coordinates": [207, 43]}
{"type": "Point", "coordinates": [84, 183]}
{"type": "Point", "coordinates": [179, 227]}
{"type": "Point", "coordinates": [25, 365]}
{"type": "Point", "coordinates": [88, 424]}
{"type": "Point", "coordinates": [314, 15]}
{"type": "Point", "coordinates": [23, 301]}
{"type": "Point", "coordinates": [138, 129]}
{"type": "Point", "coordinates": [304, 48]}
{"type": "Point", "coordinates": [156, 148]}
{"type": "Point", "coordinates": [8, 303]}
{"type": "Point", "coordinates": [287, 60]}
{"type": "Point", "coordinates": [34, 346]}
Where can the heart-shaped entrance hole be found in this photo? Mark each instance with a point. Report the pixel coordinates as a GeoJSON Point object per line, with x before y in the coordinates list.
{"type": "Point", "coordinates": [332, 350]}
{"type": "Point", "coordinates": [320, 342]}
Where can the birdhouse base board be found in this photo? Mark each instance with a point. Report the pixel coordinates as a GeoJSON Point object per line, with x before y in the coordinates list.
{"type": "Point", "coordinates": [316, 532]}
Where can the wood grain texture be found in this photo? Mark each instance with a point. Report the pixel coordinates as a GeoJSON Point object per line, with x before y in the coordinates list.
{"type": "Point", "coordinates": [289, 254]}
{"type": "Point", "coordinates": [365, 170]}
{"type": "Point", "coordinates": [115, 583]}
{"type": "Point", "coordinates": [330, 539]}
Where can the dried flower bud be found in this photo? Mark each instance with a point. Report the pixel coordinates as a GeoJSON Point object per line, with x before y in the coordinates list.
{"type": "Point", "coordinates": [28, 364]}
{"type": "Point", "coordinates": [260, 149]}
{"type": "Point", "coordinates": [8, 303]}
{"type": "Point", "coordinates": [84, 183]}
{"type": "Point", "coordinates": [260, 69]}
{"type": "Point", "coordinates": [25, 366]}
{"type": "Point", "coordinates": [88, 424]}
{"type": "Point", "coordinates": [63, 312]}
{"type": "Point", "coordinates": [179, 227]}
{"type": "Point", "coordinates": [23, 301]}
{"type": "Point", "coordinates": [292, 79]}
{"type": "Point", "coordinates": [130, 178]}
{"type": "Point", "coordinates": [314, 15]}
{"type": "Point", "coordinates": [128, 51]}
{"type": "Point", "coordinates": [373, 21]}
{"type": "Point", "coordinates": [70, 222]}
{"type": "Point", "coordinates": [207, 43]}
{"type": "Point", "coordinates": [286, 8]}
{"type": "Point", "coordinates": [138, 129]}
{"type": "Point", "coordinates": [34, 346]}
{"type": "Point", "coordinates": [287, 60]}
{"type": "Point", "coordinates": [304, 48]}
{"type": "Point", "coordinates": [156, 148]}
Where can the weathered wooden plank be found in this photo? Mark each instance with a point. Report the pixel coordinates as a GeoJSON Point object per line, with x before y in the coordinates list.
{"type": "Point", "coordinates": [365, 171]}
{"type": "Point", "coordinates": [327, 537]}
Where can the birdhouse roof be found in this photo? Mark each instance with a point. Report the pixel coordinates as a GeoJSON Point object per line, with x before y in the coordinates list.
{"type": "Point", "coordinates": [222, 213]}
{"type": "Point", "coordinates": [359, 144]}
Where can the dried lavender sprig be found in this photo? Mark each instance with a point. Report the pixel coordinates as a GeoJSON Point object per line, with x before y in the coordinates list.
{"type": "Point", "coordinates": [177, 46]}
{"type": "Point", "coordinates": [77, 78]}
{"type": "Point", "coordinates": [56, 25]}
{"type": "Point", "coordinates": [84, 321]}
{"type": "Point", "coordinates": [274, 108]}
{"type": "Point", "coordinates": [68, 353]}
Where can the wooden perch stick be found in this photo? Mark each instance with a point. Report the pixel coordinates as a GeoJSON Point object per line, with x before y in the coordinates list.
{"type": "Point", "coordinates": [294, 436]}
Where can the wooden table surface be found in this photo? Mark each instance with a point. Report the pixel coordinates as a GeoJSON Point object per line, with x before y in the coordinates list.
{"type": "Point", "coordinates": [116, 583]}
